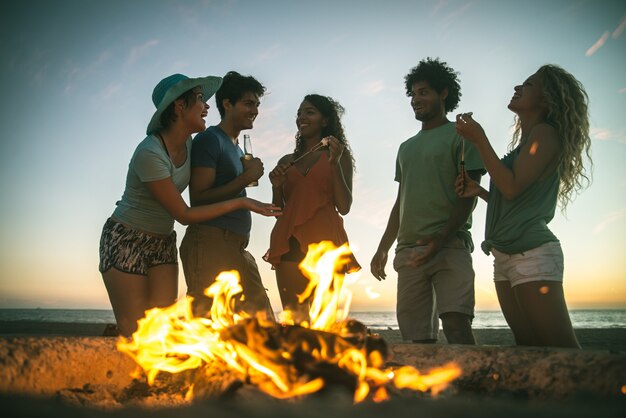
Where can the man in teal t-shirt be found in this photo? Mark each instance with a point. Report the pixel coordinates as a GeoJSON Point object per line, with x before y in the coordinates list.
{"type": "Point", "coordinates": [431, 224]}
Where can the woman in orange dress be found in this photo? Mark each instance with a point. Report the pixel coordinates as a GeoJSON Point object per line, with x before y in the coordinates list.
{"type": "Point", "coordinates": [313, 186]}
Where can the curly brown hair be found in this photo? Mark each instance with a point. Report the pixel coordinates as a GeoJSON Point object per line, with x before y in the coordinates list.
{"type": "Point", "coordinates": [332, 111]}
{"type": "Point", "coordinates": [567, 106]}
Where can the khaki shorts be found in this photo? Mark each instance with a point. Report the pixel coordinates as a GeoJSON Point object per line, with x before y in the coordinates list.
{"type": "Point", "coordinates": [207, 251]}
{"type": "Point", "coordinates": [542, 263]}
{"type": "Point", "coordinates": [443, 284]}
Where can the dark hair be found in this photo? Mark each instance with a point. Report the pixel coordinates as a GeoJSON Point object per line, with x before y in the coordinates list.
{"type": "Point", "coordinates": [234, 86]}
{"type": "Point", "coordinates": [439, 76]}
{"type": "Point", "coordinates": [333, 112]}
{"type": "Point", "coordinates": [168, 117]}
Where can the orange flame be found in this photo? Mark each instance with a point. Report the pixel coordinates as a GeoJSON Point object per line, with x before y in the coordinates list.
{"type": "Point", "coordinates": [268, 355]}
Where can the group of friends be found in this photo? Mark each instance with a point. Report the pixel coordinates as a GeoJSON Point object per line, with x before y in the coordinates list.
{"type": "Point", "coordinates": [438, 173]}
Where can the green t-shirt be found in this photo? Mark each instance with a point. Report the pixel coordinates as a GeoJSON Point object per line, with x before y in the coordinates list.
{"type": "Point", "coordinates": [426, 168]}
{"type": "Point", "coordinates": [518, 225]}
{"type": "Point", "coordinates": [138, 208]}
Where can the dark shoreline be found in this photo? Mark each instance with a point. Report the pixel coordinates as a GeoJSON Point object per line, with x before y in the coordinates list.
{"type": "Point", "coordinates": [612, 339]}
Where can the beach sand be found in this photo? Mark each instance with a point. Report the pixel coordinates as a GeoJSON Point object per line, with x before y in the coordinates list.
{"type": "Point", "coordinates": [478, 405]}
{"type": "Point", "coordinates": [612, 339]}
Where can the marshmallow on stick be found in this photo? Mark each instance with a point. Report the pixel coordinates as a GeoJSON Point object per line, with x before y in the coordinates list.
{"type": "Point", "coordinates": [323, 143]}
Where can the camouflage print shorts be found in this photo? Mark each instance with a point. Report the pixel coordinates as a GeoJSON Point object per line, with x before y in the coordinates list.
{"type": "Point", "coordinates": [133, 251]}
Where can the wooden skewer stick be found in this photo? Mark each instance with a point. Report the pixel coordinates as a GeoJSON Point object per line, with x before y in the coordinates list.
{"type": "Point", "coordinates": [463, 155]}
{"type": "Point", "coordinates": [462, 165]}
{"type": "Point", "coordinates": [322, 143]}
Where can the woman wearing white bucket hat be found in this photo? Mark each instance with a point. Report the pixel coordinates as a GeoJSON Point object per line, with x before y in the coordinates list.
{"type": "Point", "coordinates": [138, 255]}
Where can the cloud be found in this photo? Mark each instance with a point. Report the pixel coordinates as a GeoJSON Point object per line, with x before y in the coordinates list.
{"type": "Point", "coordinates": [271, 144]}
{"type": "Point", "coordinates": [102, 58]}
{"type": "Point", "coordinates": [437, 6]}
{"type": "Point", "coordinates": [620, 91]}
{"type": "Point", "coordinates": [451, 18]}
{"type": "Point", "coordinates": [138, 51]}
{"type": "Point", "coordinates": [599, 43]}
{"type": "Point", "coordinates": [604, 134]}
{"type": "Point", "coordinates": [620, 28]}
{"type": "Point", "coordinates": [110, 90]}
{"type": "Point", "coordinates": [611, 218]}
{"type": "Point", "coordinates": [375, 211]}
{"type": "Point", "coordinates": [40, 76]}
{"type": "Point", "coordinates": [366, 69]}
{"type": "Point", "coordinates": [601, 134]}
{"type": "Point", "coordinates": [371, 293]}
{"type": "Point", "coordinates": [269, 54]}
{"type": "Point", "coordinates": [72, 75]}
{"type": "Point", "coordinates": [181, 66]}
{"type": "Point", "coordinates": [373, 87]}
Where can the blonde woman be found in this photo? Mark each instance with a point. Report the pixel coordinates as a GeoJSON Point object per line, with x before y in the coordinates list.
{"type": "Point", "coordinates": [545, 166]}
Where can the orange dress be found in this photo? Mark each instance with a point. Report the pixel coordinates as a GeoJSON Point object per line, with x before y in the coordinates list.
{"type": "Point", "coordinates": [309, 214]}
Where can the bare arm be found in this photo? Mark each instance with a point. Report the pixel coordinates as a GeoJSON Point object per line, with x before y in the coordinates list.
{"type": "Point", "coordinates": [377, 265]}
{"type": "Point", "coordinates": [278, 176]}
{"type": "Point", "coordinates": [341, 164]}
{"type": "Point", "coordinates": [165, 192]}
{"type": "Point", "coordinates": [537, 156]}
{"type": "Point", "coordinates": [342, 184]}
{"type": "Point", "coordinates": [201, 190]}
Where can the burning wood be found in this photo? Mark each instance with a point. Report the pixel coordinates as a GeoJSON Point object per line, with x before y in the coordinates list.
{"type": "Point", "coordinates": [284, 360]}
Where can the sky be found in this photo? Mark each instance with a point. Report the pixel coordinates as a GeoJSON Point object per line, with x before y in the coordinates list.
{"type": "Point", "coordinates": [77, 78]}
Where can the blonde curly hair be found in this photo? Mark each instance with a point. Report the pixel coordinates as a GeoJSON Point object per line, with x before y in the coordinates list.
{"type": "Point", "coordinates": [568, 112]}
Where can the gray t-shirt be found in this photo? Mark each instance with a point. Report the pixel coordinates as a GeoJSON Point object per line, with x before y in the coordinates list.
{"type": "Point", "coordinates": [138, 208]}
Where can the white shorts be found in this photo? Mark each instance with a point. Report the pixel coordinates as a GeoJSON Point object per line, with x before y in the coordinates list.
{"type": "Point", "coordinates": [542, 263]}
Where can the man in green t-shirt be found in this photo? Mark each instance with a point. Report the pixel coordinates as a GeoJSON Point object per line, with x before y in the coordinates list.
{"type": "Point", "coordinates": [431, 224]}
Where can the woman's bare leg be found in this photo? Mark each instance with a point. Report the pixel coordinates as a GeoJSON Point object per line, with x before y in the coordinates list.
{"type": "Point", "coordinates": [543, 303]}
{"type": "Point", "coordinates": [128, 294]}
{"type": "Point", "coordinates": [515, 317]}
{"type": "Point", "coordinates": [162, 285]}
{"type": "Point", "coordinates": [291, 283]}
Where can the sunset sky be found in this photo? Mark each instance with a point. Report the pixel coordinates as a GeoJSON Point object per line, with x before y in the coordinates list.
{"type": "Point", "coordinates": [77, 78]}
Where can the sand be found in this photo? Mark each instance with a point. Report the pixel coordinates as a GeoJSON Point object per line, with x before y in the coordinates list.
{"type": "Point", "coordinates": [484, 406]}
{"type": "Point", "coordinates": [612, 339]}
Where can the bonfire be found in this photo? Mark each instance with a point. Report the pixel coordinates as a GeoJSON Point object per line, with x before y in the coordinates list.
{"type": "Point", "coordinates": [285, 359]}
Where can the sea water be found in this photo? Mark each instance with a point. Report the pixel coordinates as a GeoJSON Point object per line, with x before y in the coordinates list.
{"type": "Point", "coordinates": [581, 318]}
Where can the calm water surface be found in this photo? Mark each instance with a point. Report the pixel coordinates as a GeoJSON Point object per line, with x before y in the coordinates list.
{"type": "Point", "coordinates": [581, 318]}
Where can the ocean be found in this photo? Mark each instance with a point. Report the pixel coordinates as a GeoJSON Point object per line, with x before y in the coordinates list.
{"type": "Point", "coordinates": [581, 318]}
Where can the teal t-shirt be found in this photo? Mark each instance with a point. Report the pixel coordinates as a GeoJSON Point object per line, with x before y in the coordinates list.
{"type": "Point", "coordinates": [426, 168]}
{"type": "Point", "coordinates": [518, 225]}
{"type": "Point", "coordinates": [150, 162]}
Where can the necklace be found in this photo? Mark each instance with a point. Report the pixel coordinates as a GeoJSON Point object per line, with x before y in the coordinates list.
{"type": "Point", "coordinates": [164, 146]}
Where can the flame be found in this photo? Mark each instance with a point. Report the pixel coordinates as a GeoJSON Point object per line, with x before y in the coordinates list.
{"type": "Point", "coordinates": [283, 360]}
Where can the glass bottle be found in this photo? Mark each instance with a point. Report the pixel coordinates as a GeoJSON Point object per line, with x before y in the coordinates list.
{"type": "Point", "coordinates": [247, 154]}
